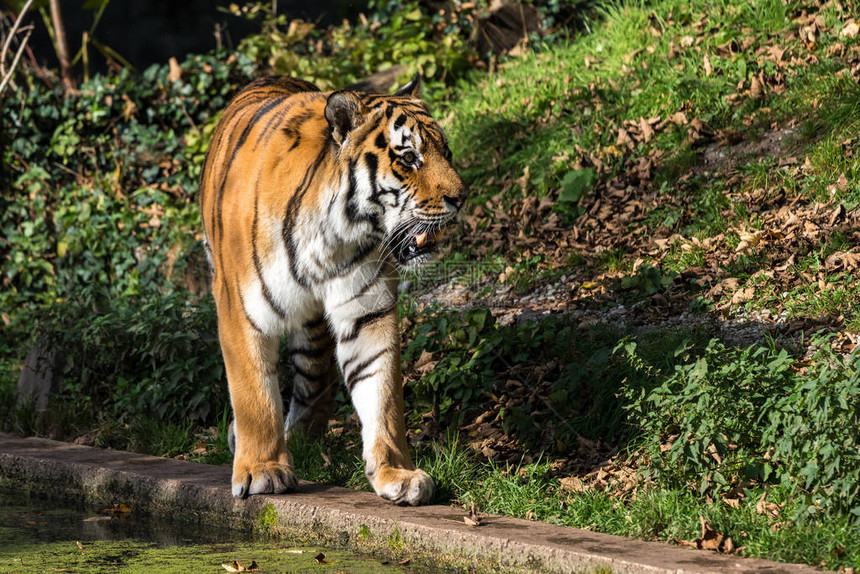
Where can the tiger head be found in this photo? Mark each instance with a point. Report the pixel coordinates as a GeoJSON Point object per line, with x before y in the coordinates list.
{"type": "Point", "coordinates": [401, 180]}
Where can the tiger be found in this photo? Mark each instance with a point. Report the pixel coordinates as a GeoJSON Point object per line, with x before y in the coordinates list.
{"type": "Point", "coordinates": [310, 202]}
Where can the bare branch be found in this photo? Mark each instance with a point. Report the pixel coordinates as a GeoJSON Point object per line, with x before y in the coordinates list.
{"type": "Point", "coordinates": [7, 77]}
{"type": "Point", "coordinates": [12, 31]}
{"type": "Point", "coordinates": [62, 46]}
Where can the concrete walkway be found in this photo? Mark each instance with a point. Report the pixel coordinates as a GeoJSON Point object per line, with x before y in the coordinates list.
{"type": "Point", "coordinates": [335, 516]}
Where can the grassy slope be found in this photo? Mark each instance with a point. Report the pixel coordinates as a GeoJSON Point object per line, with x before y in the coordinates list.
{"type": "Point", "coordinates": [738, 72]}
{"type": "Point", "coordinates": [566, 106]}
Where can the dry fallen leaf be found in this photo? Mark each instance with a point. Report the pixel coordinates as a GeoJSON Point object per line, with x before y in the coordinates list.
{"type": "Point", "coordinates": [743, 295]}
{"type": "Point", "coordinates": [80, 547]}
{"type": "Point", "coordinates": [850, 29]}
{"type": "Point", "coordinates": [474, 519]}
{"type": "Point", "coordinates": [118, 510]}
{"type": "Point", "coordinates": [749, 239]}
{"type": "Point", "coordinates": [175, 73]}
{"type": "Point", "coordinates": [572, 484]}
{"type": "Point", "coordinates": [710, 538]}
{"type": "Point", "coordinates": [842, 259]}
{"type": "Point", "coordinates": [238, 567]}
{"type": "Point", "coordinates": [425, 363]}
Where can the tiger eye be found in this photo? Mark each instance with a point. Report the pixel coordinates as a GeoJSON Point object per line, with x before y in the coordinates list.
{"type": "Point", "coordinates": [409, 157]}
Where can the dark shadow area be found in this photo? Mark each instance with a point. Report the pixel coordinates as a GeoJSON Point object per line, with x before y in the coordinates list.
{"type": "Point", "coordinates": [152, 32]}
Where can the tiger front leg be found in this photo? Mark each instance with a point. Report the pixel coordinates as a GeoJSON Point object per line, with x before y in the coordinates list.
{"type": "Point", "coordinates": [368, 351]}
{"type": "Point", "coordinates": [261, 463]}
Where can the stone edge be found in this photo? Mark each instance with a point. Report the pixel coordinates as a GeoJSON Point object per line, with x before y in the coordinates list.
{"type": "Point", "coordinates": [343, 518]}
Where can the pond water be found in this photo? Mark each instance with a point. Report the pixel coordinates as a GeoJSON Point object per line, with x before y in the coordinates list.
{"type": "Point", "coordinates": [38, 536]}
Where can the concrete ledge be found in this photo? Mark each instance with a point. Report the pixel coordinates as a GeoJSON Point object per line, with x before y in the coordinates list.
{"type": "Point", "coordinates": [342, 517]}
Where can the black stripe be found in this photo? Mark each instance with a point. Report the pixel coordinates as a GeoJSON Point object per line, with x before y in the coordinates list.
{"type": "Point", "coordinates": [314, 323]}
{"type": "Point", "coordinates": [244, 310]}
{"type": "Point", "coordinates": [218, 204]}
{"type": "Point", "coordinates": [304, 399]}
{"type": "Point", "coordinates": [258, 266]}
{"type": "Point", "coordinates": [258, 115]}
{"type": "Point", "coordinates": [299, 399]}
{"type": "Point", "coordinates": [366, 287]}
{"type": "Point", "coordinates": [290, 217]}
{"type": "Point", "coordinates": [310, 353]}
{"type": "Point", "coordinates": [277, 118]}
{"type": "Point", "coordinates": [359, 256]}
{"type": "Point", "coordinates": [308, 376]}
{"type": "Point", "coordinates": [319, 336]}
{"type": "Point", "coordinates": [367, 319]}
{"type": "Point", "coordinates": [351, 384]}
{"type": "Point", "coordinates": [360, 366]}
{"type": "Point", "coordinates": [398, 123]}
{"type": "Point", "coordinates": [381, 142]}
{"type": "Point", "coordinates": [373, 169]}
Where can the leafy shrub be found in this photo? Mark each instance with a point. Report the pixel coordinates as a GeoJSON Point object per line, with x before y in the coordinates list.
{"type": "Point", "coordinates": [99, 186]}
{"type": "Point", "coordinates": [399, 32]}
{"type": "Point", "coordinates": [730, 416]}
{"type": "Point", "coordinates": [155, 357]}
{"type": "Point", "coordinates": [566, 380]}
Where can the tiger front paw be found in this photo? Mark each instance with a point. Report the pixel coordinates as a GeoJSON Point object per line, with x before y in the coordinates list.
{"type": "Point", "coordinates": [263, 478]}
{"type": "Point", "coordinates": [403, 487]}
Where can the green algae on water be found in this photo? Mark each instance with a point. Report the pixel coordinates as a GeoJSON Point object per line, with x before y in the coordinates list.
{"type": "Point", "coordinates": [39, 536]}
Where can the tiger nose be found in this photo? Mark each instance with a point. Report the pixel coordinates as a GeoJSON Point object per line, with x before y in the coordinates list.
{"type": "Point", "coordinates": [453, 202]}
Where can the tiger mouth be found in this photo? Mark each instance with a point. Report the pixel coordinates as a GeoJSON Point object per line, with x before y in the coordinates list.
{"type": "Point", "coordinates": [413, 243]}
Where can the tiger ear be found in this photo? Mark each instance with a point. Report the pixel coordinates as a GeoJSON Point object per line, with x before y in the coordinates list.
{"type": "Point", "coordinates": [412, 89]}
{"type": "Point", "coordinates": [344, 112]}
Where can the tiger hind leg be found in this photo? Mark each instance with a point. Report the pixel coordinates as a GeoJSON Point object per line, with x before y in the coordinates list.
{"type": "Point", "coordinates": [261, 462]}
{"type": "Point", "coordinates": [315, 382]}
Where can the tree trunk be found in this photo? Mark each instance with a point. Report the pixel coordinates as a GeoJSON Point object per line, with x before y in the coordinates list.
{"type": "Point", "coordinates": [62, 46]}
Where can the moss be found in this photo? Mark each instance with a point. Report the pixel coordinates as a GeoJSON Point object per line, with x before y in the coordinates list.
{"type": "Point", "coordinates": [395, 540]}
{"type": "Point", "coordinates": [268, 518]}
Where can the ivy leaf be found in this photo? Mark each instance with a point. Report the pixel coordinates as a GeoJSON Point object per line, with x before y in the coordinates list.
{"type": "Point", "coordinates": [574, 186]}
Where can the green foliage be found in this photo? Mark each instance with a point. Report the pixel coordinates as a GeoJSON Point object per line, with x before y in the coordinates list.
{"type": "Point", "coordinates": [268, 518]}
{"type": "Point", "coordinates": [99, 186]}
{"type": "Point", "coordinates": [458, 380]}
{"type": "Point", "coordinates": [126, 358]}
{"type": "Point", "coordinates": [731, 415]}
{"type": "Point", "coordinates": [647, 280]}
{"type": "Point", "coordinates": [571, 377]}
{"type": "Point", "coordinates": [394, 33]}
{"type": "Point", "coordinates": [575, 185]}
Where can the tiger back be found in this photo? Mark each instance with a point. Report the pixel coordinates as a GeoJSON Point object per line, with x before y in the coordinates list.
{"type": "Point", "coordinates": [310, 201]}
